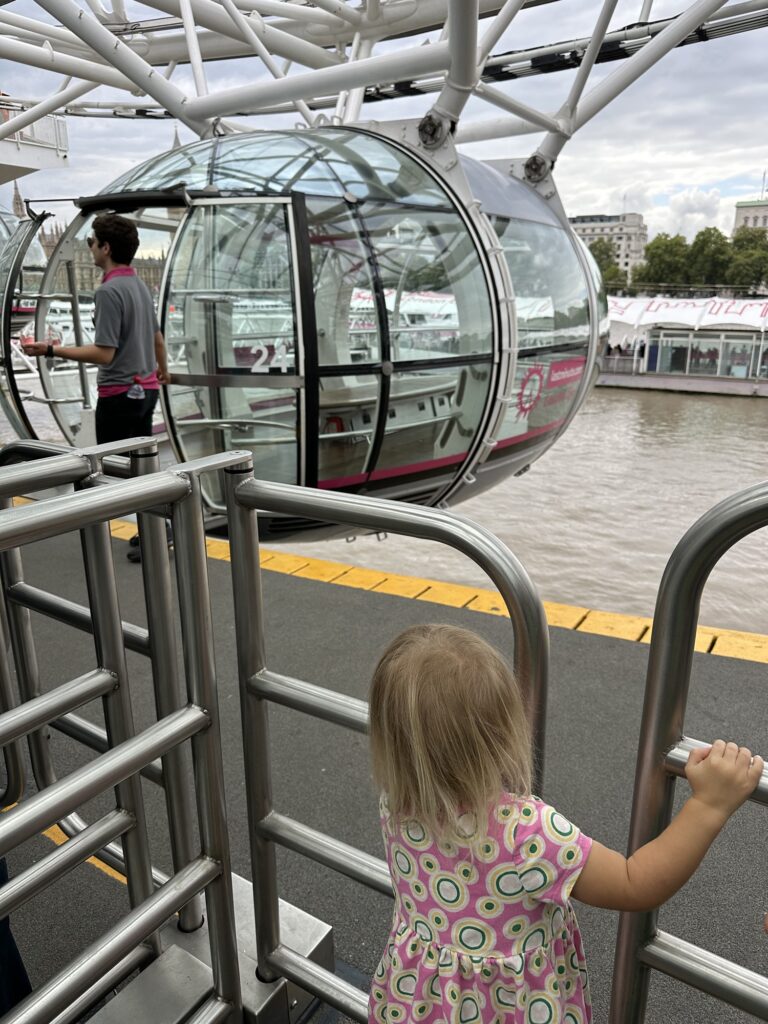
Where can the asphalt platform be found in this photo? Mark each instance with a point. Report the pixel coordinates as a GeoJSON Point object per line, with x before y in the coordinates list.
{"type": "Point", "coordinates": [332, 635]}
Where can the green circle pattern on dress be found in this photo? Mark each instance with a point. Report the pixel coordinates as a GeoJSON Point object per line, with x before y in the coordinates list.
{"type": "Point", "coordinates": [482, 932]}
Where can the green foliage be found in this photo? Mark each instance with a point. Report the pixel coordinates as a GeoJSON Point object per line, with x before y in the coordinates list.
{"type": "Point", "coordinates": [604, 254]}
{"type": "Point", "coordinates": [710, 257]}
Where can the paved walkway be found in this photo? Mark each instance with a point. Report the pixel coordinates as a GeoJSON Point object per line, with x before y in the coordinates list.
{"type": "Point", "coordinates": [332, 635]}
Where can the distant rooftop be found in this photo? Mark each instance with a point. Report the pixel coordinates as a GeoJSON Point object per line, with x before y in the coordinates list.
{"type": "Point", "coordinates": [601, 217]}
{"type": "Point", "coordinates": [753, 202]}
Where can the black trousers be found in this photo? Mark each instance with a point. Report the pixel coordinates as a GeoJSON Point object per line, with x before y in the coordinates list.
{"type": "Point", "coordinates": [14, 983]}
{"type": "Point", "coordinates": [119, 417]}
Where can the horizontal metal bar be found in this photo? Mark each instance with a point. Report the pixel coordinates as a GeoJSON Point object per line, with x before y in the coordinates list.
{"type": "Point", "coordinates": [93, 736]}
{"type": "Point", "coordinates": [213, 1011]}
{"type": "Point", "coordinates": [38, 475]}
{"type": "Point", "coordinates": [101, 956]}
{"type": "Point", "coordinates": [315, 979]}
{"type": "Point", "coordinates": [311, 699]}
{"type": "Point", "coordinates": [64, 796]}
{"type": "Point", "coordinates": [43, 709]}
{"type": "Point", "coordinates": [65, 857]}
{"type": "Point", "coordinates": [136, 638]}
{"type": "Point", "coordinates": [135, 960]}
{"type": "Point", "coordinates": [707, 972]}
{"type": "Point", "coordinates": [324, 849]}
{"type": "Point", "coordinates": [677, 758]}
{"type": "Point", "coordinates": [55, 516]}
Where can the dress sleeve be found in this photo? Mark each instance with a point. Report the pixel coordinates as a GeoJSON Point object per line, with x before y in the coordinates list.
{"type": "Point", "coordinates": [107, 318]}
{"type": "Point", "coordinates": [551, 852]}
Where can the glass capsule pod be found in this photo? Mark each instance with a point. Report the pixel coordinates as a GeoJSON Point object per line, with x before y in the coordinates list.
{"type": "Point", "coordinates": [337, 305]}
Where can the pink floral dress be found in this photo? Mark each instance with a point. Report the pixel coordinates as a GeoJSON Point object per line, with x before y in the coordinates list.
{"type": "Point", "coordinates": [485, 932]}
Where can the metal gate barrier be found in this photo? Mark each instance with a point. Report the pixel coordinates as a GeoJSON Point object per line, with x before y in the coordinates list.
{"type": "Point", "coordinates": [662, 755]}
{"type": "Point", "coordinates": [134, 940]}
{"type": "Point", "coordinates": [258, 685]}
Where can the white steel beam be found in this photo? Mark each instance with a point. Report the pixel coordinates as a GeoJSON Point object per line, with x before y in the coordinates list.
{"type": "Point", "coordinates": [355, 97]}
{"type": "Point", "coordinates": [494, 128]}
{"type": "Point", "coordinates": [249, 35]}
{"type": "Point", "coordinates": [538, 120]}
{"type": "Point", "coordinates": [498, 27]}
{"type": "Point", "coordinates": [588, 61]}
{"type": "Point", "coordinates": [211, 16]}
{"type": "Point", "coordinates": [340, 10]}
{"type": "Point", "coordinates": [628, 73]}
{"type": "Point", "coordinates": [124, 59]}
{"type": "Point", "coordinates": [372, 10]}
{"type": "Point", "coordinates": [40, 29]}
{"type": "Point", "coordinates": [44, 107]}
{"type": "Point", "coordinates": [193, 46]}
{"type": "Point", "coordinates": [645, 13]}
{"type": "Point", "coordinates": [463, 73]}
{"type": "Point", "coordinates": [46, 58]}
{"type": "Point", "coordinates": [295, 12]}
{"type": "Point", "coordinates": [392, 67]}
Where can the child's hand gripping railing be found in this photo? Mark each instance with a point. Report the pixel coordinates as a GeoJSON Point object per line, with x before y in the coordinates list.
{"type": "Point", "coordinates": [258, 684]}
{"type": "Point", "coordinates": [662, 754]}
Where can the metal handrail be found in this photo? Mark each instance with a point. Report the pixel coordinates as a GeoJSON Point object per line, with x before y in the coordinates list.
{"type": "Point", "coordinates": [204, 866]}
{"type": "Point", "coordinates": [258, 685]}
{"type": "Point", "coordinates": [640, 947]}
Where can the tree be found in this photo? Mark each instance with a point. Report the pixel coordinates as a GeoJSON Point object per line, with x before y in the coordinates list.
{"type": "Point", "coordinates": [604, 255]}
{"type": "Point", "coordinates": [710, 257]}
{"type": "Point", "coordinates": [666, 262]}
{"type": "Point", "coordinates": [748, 269]}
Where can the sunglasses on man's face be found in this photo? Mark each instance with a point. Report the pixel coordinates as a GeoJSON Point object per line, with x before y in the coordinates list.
{"type": "Point", "coordinates": [91, 241]}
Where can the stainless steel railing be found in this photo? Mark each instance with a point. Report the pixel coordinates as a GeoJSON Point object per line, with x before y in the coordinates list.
{"type": "Point", "coordinates": [661, 757]}
{"type": "Point", "coordinates": [204, 867]}
{"type": "Point", "coordinates": [258, 685]}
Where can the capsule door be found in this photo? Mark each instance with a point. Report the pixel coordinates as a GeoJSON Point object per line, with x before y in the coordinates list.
{"type": "Point", "coordinates": [21, 265]}
{"type": "Point", "coordinates": [233, 328]}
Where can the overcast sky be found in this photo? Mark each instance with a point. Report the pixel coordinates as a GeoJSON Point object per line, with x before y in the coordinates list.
{"type": "Point", "coordinates": [681, 146]}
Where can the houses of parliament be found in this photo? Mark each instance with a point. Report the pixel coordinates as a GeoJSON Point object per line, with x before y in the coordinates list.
{"type": "Point", "coordinates": [88, 276]}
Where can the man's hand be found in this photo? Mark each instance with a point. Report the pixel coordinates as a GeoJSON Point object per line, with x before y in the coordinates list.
{"type": "Point", "coordinates": [164, 376]}
{"type": "Point", "coordinates": [34, 348]}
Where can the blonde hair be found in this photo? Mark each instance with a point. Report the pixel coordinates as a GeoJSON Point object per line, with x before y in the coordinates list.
{"type": "Point", "coordinates": [449, 732]}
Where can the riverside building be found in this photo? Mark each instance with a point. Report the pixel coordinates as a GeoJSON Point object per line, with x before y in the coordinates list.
{"type": "Point", "coordinates": [627, 232]}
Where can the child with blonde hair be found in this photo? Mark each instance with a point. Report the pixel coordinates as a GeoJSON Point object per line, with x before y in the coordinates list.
{"type": "Point", "coordinates": [484, 872]}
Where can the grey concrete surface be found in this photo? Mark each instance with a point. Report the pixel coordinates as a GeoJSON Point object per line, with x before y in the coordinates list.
{"type": "Point", "coordinates": [332, 636]}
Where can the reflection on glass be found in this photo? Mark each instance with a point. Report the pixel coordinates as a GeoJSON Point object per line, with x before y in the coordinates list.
{"type": "Point", "coordinates": [189, 166]}
{"type": "Point", "coordinates": [432, 418]}
{"type": "Point", "coordinates": [348, 417]}
{"type": "Point", "coordinates": [324, 162]}
{"type": "Point", "coordinates": [435, 292]}
{"type": "Point", "coordinates": [345, 312]}
{"type": "Point", "coordinates": [552, 306]}
{"type": "Point", "coordinates": [550, 289]}
{"type": "Point", "coordinates": [231, 295]}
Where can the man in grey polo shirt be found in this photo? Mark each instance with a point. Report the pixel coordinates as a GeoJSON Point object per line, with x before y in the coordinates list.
{"type": "Point", "coordinates": [128, 348]}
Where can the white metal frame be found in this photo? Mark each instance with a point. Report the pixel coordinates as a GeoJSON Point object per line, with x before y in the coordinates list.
{"type": "Point", "coordinates": [333, 54]}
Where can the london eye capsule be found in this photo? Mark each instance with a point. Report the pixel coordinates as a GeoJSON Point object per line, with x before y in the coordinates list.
{"type": "Point", "coordinates": [356, 316]}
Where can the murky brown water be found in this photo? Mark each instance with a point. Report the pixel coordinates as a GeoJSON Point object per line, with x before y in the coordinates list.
{"type": "Point", "coordinates": [595, 520]}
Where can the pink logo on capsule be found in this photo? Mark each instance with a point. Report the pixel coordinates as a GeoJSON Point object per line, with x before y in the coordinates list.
{"type": "Point", "coordinates": [530, 390]}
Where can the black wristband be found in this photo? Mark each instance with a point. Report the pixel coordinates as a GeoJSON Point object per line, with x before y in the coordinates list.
{"type": "Point", "coordinates": [49, 352]}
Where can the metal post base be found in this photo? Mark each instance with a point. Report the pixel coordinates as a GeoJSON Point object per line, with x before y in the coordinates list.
{"type": "Point", "coordinates": [279, 1002]}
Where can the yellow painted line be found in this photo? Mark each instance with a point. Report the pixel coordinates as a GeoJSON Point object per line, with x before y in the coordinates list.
{"type": "Point", "coordinates": [55, 834]}
{"type": "Point", "coordinates": [623, 627]}
{"type": "Point", "coordinates": [320, 571]}
{"type": "Point", "coordinates": [360, 579]}
{"type": "Point", "coordinates": [401, 586]}
{"type": "Point", "coordinates": [705, 638]}
{"type": "Point", "coordinates": [451, 594]}
{"type": "Point", "coordinates": [749, 646]}
{"type": "Point", "coordinates": [725, 642]}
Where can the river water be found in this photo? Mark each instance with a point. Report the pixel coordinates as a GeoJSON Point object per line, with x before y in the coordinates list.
{"type": "Point", "coordinates": [595, 520]}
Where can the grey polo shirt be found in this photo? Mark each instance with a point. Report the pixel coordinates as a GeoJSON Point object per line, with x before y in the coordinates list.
{"type": "Point", "coordinates": [125, 319]}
